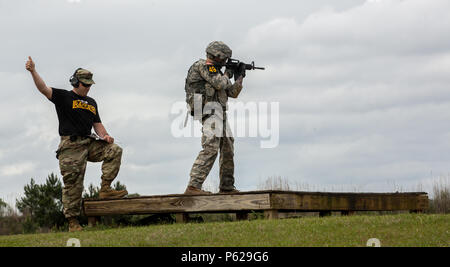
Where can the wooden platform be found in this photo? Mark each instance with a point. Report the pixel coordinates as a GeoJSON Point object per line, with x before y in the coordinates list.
{"type": "Point", "coordinates": [270, 202]}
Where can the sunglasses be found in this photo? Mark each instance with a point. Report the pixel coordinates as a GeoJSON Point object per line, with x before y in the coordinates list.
{"type": "Point", "coordinates": [86, 85]}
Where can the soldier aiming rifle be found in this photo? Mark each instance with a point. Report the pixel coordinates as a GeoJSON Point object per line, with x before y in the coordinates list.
{"type": "Point", "coordinates": [205, 81]}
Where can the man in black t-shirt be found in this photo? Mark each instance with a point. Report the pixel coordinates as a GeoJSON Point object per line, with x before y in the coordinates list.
{"type": "Point", "coordinates": [77, 114]}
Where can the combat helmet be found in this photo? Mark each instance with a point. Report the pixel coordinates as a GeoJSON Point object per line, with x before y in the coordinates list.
{"type": "Point", "coordinates": [219, 49]}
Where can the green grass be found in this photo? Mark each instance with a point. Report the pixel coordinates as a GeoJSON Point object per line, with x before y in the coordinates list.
{"type": "Point", "coordinates": [391, 230]}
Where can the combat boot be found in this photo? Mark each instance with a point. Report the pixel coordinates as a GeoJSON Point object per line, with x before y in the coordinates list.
{"type": "Point", "coordinates": [74, 225]}
{"type": "Point", "coordinates": [232, 191]}
{"type": "Point", "coordinates": [190, 190]}
{"type": "Point", "coordinates": [109, 193]}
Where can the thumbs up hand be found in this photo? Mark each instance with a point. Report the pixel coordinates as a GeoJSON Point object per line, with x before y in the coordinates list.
{"type": "Point", "coordinates": [30, 65]}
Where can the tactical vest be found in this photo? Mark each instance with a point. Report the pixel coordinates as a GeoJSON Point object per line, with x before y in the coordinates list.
{"type": "Point", "coordinates": [201, 87]}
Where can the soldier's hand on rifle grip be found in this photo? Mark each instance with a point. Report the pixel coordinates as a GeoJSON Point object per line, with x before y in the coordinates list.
{"type": "Point", "coordinates": [241, 69]}
{"type": "Point", "coordinates": [229, 73]}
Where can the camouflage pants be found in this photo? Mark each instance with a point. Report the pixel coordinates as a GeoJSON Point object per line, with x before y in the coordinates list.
{"type": "Point", "coordinates": [211, 145]}
{"type": "Point", "coordinates": [73, 157]}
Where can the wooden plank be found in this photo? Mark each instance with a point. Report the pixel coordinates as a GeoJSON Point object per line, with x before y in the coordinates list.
{"type": "Point", "coordinates": [259, 200]}
{"type": "Point", "coordinates": [349, 201]}
{"type": "Point", "coordinates": [178, 204]}
{"type": "Point", "coordinates": [181, 217]}
{"type": "Point", "coordinates": [271, 214]}
{"type": "Point", "coordinates": [92, 221]}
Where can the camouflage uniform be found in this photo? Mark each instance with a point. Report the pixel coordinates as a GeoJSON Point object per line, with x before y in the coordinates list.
{"type": "Point", "coordinates": [216, 87]}
{"type": "Point", "coordinates": [73, 157]}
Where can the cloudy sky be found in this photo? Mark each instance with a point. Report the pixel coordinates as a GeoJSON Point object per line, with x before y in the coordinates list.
{"type": "Point", "coordinates": [362, 87]}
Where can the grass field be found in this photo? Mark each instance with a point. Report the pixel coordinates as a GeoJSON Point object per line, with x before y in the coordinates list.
{"type": "Point", "coordinates": [391, 230]}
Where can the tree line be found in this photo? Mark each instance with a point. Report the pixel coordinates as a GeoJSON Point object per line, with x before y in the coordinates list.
{"type": "Point", "coordinates": [41, 208]}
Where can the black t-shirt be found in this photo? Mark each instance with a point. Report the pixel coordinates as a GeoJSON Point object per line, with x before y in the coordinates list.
{"type": "Point", "coordinates": [76, 114]}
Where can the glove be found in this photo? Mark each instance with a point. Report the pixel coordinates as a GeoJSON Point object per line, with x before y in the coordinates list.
{"type": "Point", "coordinates": [240, 70]}
{"type": "Point", "coordinates": [229, 72]}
